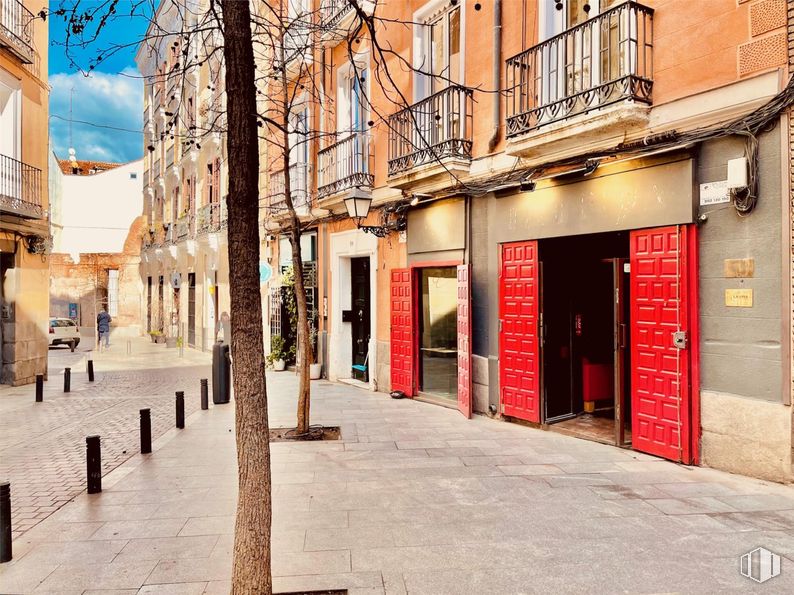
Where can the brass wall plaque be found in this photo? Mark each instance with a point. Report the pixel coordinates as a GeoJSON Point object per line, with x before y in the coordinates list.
{"type": "Point", "coordinates": [739, 267]}
{"type": "Point", "coordinates": [739, 298]}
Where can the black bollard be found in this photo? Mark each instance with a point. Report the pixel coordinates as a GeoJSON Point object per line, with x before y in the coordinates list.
{"type": "Point", "coordinates": [205, 399]}
{"type": "Point", "coordinates": [67, 380]}
{"type": "Point", "coordinates": [39, 388]}
{"type": "Point", "coordinates": [180, 409]}
{"type": "Point", "coordinates": [146, 431]}
{"type": "Point", "coordinates": [5, 522]}
{"type": "Point", "coordinates": [93, 461]}
{"type": "Point", "coordinates": [90, 370]}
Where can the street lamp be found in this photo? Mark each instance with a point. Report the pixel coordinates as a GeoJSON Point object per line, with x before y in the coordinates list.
{"type": "Point", "coordinates": [358, 207]}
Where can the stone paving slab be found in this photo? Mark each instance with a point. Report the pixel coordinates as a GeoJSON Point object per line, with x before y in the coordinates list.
{"type": "Point", "coordinates": [413, 499]}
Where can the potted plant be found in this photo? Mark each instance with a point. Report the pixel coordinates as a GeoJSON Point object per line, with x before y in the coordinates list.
{"type": "Point", "coordinates": [315, 369]}
{"type": "Point", "coordinates": [171, 341]}
{"type": "Point", "coordinates": [157, 337]}
{"type": "Point", "coordinates": [277, 355]}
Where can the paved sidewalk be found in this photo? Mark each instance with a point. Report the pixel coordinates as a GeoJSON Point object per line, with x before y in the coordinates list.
{"type": "Point", "coordinates": [414, 499]}
{"type": "Point", "coordinates": [42, 445]}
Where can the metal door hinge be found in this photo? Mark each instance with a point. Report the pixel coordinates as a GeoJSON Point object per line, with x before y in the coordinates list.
{"type": "Point", "coordinates": [680, 339]}
{"type": "Point", "coordinates": [500, 325]}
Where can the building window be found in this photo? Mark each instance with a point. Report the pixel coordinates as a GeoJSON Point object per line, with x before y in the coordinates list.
{"type": "Point", "coordinates": [113, 292]}
{"type": "Point", "coordinates": [438, 55]}
{"type": "Point", "coordinates": [133, 176]}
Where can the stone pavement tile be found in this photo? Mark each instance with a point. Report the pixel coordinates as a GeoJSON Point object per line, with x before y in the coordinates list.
{"type": "Point", "coordinates": [111, 592]}
{"type": "Point", "coordinates": [157, 548]}
{"type": "Point", "coordinates": [62, 531]}
{"type": "Point", "coordinates": [300, 477]}
{"type": "Point", "coordinates": [369, 446]}
{"type": "Point", "coordinates": [121, 575]}
{"type": "Point", "coordinates": [313, 582]}
{"type": "Point", "coordinates": [174, 589]}
{"type": "Point", "coordinates": [347, 538]}
{"type": "Point", "coordinates": [529, 469]}
{"type": "Point", "coordinates": [218, 587]}
{"type": "Point", "coordinates": [579, 480]}
{"type": "Point", "coordinates": [81, 512]}
{"type": "Point", "coordinates": [589, 467]}
{"type": "Point", "coordinates": [490, 460]}
{"type": "Point", "coordinates": [73, 552]}
{"type": "Point", "coordinates": [157, 496]}
{"type": "Point", "coordinates": [195, 508]}
{"type": "Point", "coordinates": [319, 562]}
{"type": "Point", "coordinates": [759, 502]}
{"type": "Point", "coordinates": [139, 529]}
{"type": "Point", "coordinates": [18, 576]}
{"type": "Point", "coordinates": [695, 489]}
{"type": "Point", "coordinates": [213, 525]}
{"type": "Point", "coordinates": [190, 571]}
{"type": "Point", "coordinates": [621, 492]}
{"type": "Point", "coordinates": [700, 505]}
{"type": "Point", "coordinates": [329, 519]}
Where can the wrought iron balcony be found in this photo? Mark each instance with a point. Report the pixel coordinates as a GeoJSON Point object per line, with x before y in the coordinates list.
{"type": "Point", "coordinates": [346, 164]}
{"type": "Point", "coordinates": [185, 226]}
{"type": "Point", "coordinates": [433, 129]}
{"type": "Point", "coordinates": [211, 217]}
{"type": "Point", "coordinates": [299, 188]}
{"type": "Point", "coordinates": [16, 30]}
{"type": "Point", "coordinates": [20, 189]}
{"type": "Point", "coordinates": [333, 11]}
{"type": "Point", "coordinates": [603, 61]}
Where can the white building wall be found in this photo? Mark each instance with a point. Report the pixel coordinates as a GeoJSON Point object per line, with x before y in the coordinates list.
{"type": "Point", "coordinates": [97, 210]}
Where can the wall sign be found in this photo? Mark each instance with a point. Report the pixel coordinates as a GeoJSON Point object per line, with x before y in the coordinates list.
{"type": "Point", "coordinates": [739, 298]}
{"type": "Point", "coordinates": [712, 193]}
{"type": "Point", "coordinates": [739, 267]}
{"type": "Point", "coordinates": [265, 272]}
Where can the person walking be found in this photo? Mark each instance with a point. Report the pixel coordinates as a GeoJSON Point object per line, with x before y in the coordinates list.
{"type": "Point", "coordinates": [103, 321]}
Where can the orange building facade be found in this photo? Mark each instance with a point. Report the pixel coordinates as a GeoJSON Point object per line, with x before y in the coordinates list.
{"type": "Point", "coordinates": [24, 209]}
{"type": "Point", "coordinates": [575, 215]}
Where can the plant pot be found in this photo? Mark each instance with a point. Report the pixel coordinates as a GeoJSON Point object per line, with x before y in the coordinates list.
{"type": "Point", "coordinates": [315, 371]}
{"type": "Point", "coordinates": [159, 339]}
{"type": "Point", "coordinates": [170, 342]}
{"type": "Point", "coordinates": [153, 338]}
{"type": "Point", "coordinates": [279, 365]}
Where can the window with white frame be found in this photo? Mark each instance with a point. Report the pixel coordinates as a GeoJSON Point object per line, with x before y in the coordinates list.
{"type": "Point", "coordinates": [10, 116]}
{"type": "Point", "coordinates": [438, 51]}
{"type": "Point", "coordinates": [113, 292]}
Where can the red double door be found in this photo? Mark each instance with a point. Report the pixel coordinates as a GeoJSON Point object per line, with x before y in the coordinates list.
{"type": "Point", "coordinates": [404, 351]}
{"type": "Point", "coordinates": [663, 296]}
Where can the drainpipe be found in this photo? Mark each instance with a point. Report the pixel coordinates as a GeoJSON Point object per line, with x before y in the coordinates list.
{"type": "Point", "coordinates": [497, 71]}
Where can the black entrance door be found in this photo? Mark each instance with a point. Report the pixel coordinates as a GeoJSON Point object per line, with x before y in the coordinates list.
{"type": "Point", "coordinates": [191, 309]}
{"type": "Point", "coordinates": [360, 328]}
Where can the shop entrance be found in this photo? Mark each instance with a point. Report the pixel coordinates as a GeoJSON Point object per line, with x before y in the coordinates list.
{"type": "Point", "coordinates": [558, 313]}
{"type": "Point", "coordinates": [585, 313]}
{"type": "Point", "coordinates": [438, 332]}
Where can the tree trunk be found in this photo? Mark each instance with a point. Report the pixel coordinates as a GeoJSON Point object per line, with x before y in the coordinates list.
{"type": "Point", "coordinates": [251, 567]}
{"type": "Point", "coordinates": [305, 348]}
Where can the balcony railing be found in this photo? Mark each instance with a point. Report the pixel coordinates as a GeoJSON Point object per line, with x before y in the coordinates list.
{"type": "Point", "coordinates": [185, 226]}
{"type": "Point", "coordinates": [20, 189]}
{"type": "Point", "coordinates": [433, 129]}
{"type": "Point", "coordinates": [211, 217]}
{"type": "Point", "coordinates": [333, 11]}
{"type": "Point", "coordinates": [345, 164]}
{"type": "Point", "coordinates": [16, 29]}
{"type": "Point", "coordinates": [605, 60]}
{"type": "Point", "coordinates": [299, 188]}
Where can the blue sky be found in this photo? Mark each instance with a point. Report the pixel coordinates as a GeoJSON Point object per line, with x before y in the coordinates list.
{"type": "Point", "coordinates": [110, 97]}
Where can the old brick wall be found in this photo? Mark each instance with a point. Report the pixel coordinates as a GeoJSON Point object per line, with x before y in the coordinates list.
{"type": "Point", "coordinates": [84, 281]}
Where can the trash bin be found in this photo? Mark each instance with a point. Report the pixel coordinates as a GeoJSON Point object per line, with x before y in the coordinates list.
{"type": "Point", "coordinates": [221, 374]}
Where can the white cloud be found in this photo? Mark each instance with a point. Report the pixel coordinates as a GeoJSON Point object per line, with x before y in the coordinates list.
{"type": "Point", "coordinates": [107, 99]}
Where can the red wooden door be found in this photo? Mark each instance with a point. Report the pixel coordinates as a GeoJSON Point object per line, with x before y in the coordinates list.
{"type": "Point", "coordinates": [519, 348]}
{"type": "Point", "coordinates": [402, 332]}
{"type": "Point", "coordinates": [660, 402]}
{"type": "Point", "coordinates": [464, 340]}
